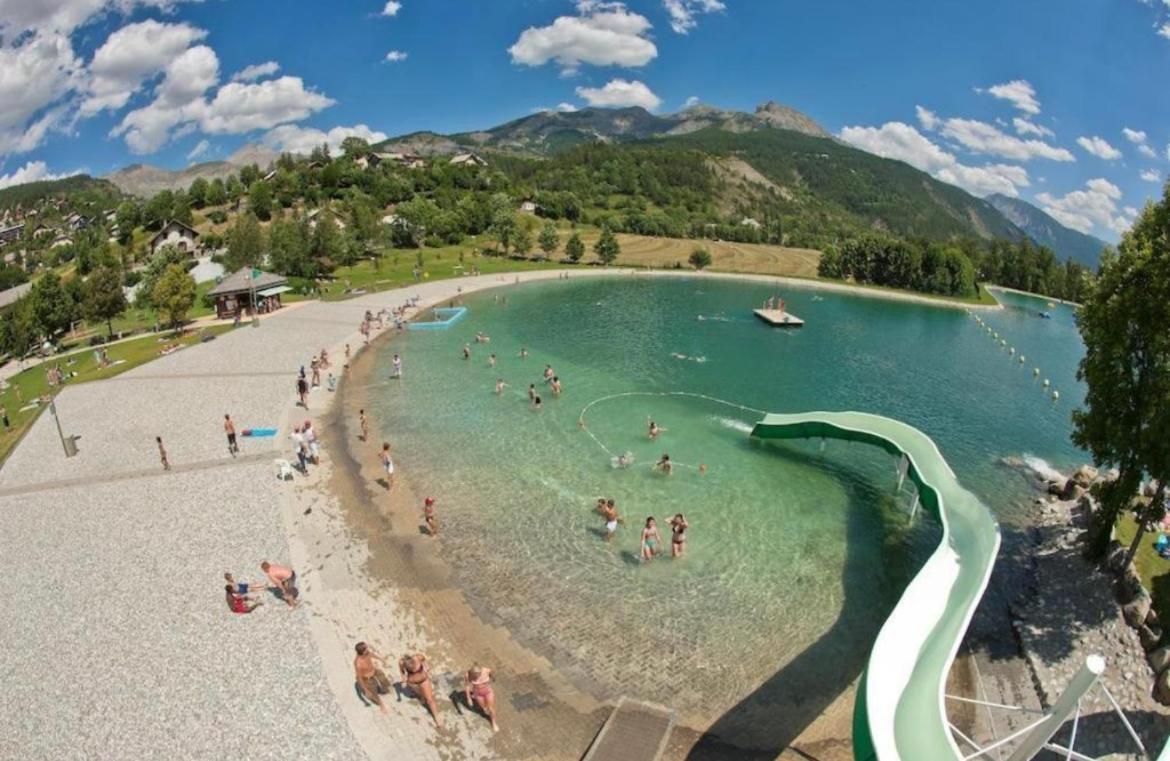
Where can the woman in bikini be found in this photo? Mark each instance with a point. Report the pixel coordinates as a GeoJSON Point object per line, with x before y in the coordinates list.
{"type": "Point", "coordinates": [678, 535]}
{"type": "Point", "coordinates": [650, 540]}
{"type": "Point", "coordinates": [477, 689]}
{"type": "Point", "coordinates": [416, 675]}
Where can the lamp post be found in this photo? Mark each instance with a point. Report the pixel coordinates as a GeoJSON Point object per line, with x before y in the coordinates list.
{"type": "Point", "coordinates": [254, 273]}
{"type": "Point", "coordinates": [68, 444]}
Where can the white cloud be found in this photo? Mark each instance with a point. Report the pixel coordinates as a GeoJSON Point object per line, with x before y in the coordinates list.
{"type": "Point", "coordinates": [256, 71]}
{"type": "Point", "coordinates": [394, 56]}
{"type": "Point", "coordinates": [927, 118]}
{"type": "Point", "coordinates": [691, 101]}
{"type": "Point", "coordinates": [1099, 147]}
{"type": "Point", "coordinates": [35, 73]}
{"type": "Point", "coordinates": [1025, 127]}
{"type": "Point", "coordinates": [1096, 205]}
{"type": "Point", "coordinates": [392, 8]}
{"type": "Point", "coordinates": [33, 171]}
{"type": "Point", "coordinates": [1147, 151]}
{"type": "Point", "coordinates": [293, 139]}
{"type": "Point", "coordinates": [603, 34]}
{"type": "Point", "coordinates": [241, 107]}
{"type": "Point", "coordinates": [1019, 93]}
{"type": "Point", "coordinates": [131, 55]}
{"type": "Point", "coordinates": [1151, 175]}
{"type": "Point", "coordinates": [896, 140]}
{"type": "Point", "coordinates": [619, 93]}
{"type": "Point", "coordinates": [982, 137]}
{"type": "Point", "coordinates": [200, 150]}
{"type": "Point", "coordinates": [64, 16]}
{"type": "Point", "coordinates": [1137, 137]}
{"type": "Point", "coordinates": [683, 12]}
{"type": "Point", "coordinates": [1164, 30]}
{"type": "Point", "coordinates": [564, 108]}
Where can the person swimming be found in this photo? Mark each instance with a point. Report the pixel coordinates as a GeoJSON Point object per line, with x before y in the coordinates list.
{"type": "Point", "coordinates": [612, 519]}
{"type": "Point", "coordinates": [537, 404]}
{"type": "Point", "coordinates": [678, 535]}
{"type": "Point", "coordinates": [665, 465]}
{"type": "Point", "coordinates": [482, 338]}
{"type": "Point", "coordinates": [650, 540]}
{"type": "Point", "coordinates": [491, 360]}
{"type": "Point", "coordinates": [500, 385]}
{"type": "Point", "coordinates": [653, 430]}
{"type": "Point", "coordinates": [467, 351]}
{"type": "Point", "coordinates": [531, 392]}
{"type": "Point", "coordinates": [548, 374]}
{"type": "Point", "coordinates": [622, 461]}
{"type": "Point", "coordinates": [523, 353]}
{"type": "Point", "coordinates": [556, 386]}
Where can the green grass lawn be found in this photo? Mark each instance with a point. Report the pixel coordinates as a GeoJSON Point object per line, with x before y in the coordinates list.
{"type": "Point", "coordinates": [1154, 570]}
{"type": "Point", "coordinates": [32, 384]}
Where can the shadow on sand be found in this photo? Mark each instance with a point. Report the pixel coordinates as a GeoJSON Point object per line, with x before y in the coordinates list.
{"type": "Point", "coordinates": [769, 719]}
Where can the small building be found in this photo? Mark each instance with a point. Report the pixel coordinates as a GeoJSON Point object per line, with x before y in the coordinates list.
{"type": "Point", "coordinates": [61, 241]}
{"type": "Point", "coordinates": [77, 221]}
{"type": "Point", "coordinates": [41, 231]}
{"type": "Point", "coordinates": [269, 177]}
{"type": "Point", "coordinates": [467, 159]}
{"type": "Point", "coordinates": [177, 234]}
{"type": "Point", "coordinates": [233, 295]}
{"type": "Point", "coordinates": [750, 222]}
{"type": "Point", "coordinates": [528, 207]}
{"type": "Point", "coordinates": [10, 234]}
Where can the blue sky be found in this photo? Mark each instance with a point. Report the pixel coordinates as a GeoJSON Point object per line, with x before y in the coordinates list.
{"type": "Point", "coordinates": [1056, 102]}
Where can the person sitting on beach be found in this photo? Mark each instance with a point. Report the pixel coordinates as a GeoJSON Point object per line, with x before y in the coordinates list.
{"type": "Point", "coordinates": [477, 687]}
{"type": "Point", "coordinates": [239, 603]}
{"type": "Point", "coordinates": [678, 535]}
{"type": "Point", "coordinates": [500, 386]}
{"type": "Point", "coordinates": [556, 386]}
{"type": "Point", "coordinates": [429, 516]}
{"type": "Point", "coordinates": [612, 519]}
{"type": "Point", "coordinates": [650, 540]}
{"type": "Point", "coordinates": [371, 679]}
{"type": "Point", "coordinates": [416, 676]}
{"type": "Point", "coordinates": [665, 465]}
{"type": "Point", "coordinates": [283, 581]}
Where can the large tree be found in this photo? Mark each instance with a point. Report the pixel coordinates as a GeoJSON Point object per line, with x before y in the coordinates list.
{"type": "Point", "coordinates": [260, 199]}
{"type": "Point", "coordinates": [174, 295]}
{"type": "Point", "coordinates": [574, 248]}
{"type": "Point", "coordinates": [548, 239]}
{"type": "Point", "coordinates": [606, 247]}
{"type": "Point", "coordinates": [1124, 323]}
{"type": "Point", "coordinates": [53, 307]}
{"type": "Point", "coordinates": [245, 242]}
{"type": "Point", "coordinates": [103, 297]}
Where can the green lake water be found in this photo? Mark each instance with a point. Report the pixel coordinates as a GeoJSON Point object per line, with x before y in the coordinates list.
{"type": "Point", "coordinates": [794, 556]}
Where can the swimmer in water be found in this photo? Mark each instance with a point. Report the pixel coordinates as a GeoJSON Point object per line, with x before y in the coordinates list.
{"type": "Point", "coordinates": [678, 535]}
{"type": "Point", "coordinates": [491, 360]}
{"type": "Point", "coordinates": [612, 519]}
{"type": "Point", "coordinates": [429, 516]}
{"type": "Point", "coordinates": [665, 465]}
{"type": "Point", "coordinates": [500, 386]}
{"type": "Point", "coordinates": [536, 403]}
{"type": "Point", "coordinates": [600, 506]}
{"type": "Point", "coordinates": [531, 392]}
{"type": "Point", "coordinates": [524, 354]}
{"type": "Point", "coordinates": [467, 351]}
{"type": "Point", "coordinates": [548, 373]}
{"type": "Point", "coordinates": [654, 430]}
{"type": "Point", "coordinates": [650, 540]}
{"type": "Point", "coordinates": [622, 461]}
{"type": "Point", "coordinates": [556, 386]}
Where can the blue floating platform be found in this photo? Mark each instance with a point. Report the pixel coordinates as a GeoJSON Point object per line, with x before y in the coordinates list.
{"type": "Point", "coordinates": [447, 316]}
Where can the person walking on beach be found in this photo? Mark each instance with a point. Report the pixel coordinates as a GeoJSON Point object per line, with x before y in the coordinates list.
{"type": "Point", "coordinates": [371, 679]}
{"type": "Point", "coordinates": [283, 580]}
{"type": "Point", "coordinates": [230, 429]}
{"type": "Point", "coordinates": [4, 417]}
{"type": "Point", "coordinates": [387, 464]}
{"type": "Point", "coordinates": [364, 422]}
{"type": "Point", "coordinates": [298, 445]}
{"type": "Point", "coordinates": [162, 453]}
{"type": "Point", "coordinates": [416, 676]}
{"type": "Point", "coordinates": [429, 516]}
{"type": "Point", "coordinates": [303, 390]}
{"type": "Point", "coordinates": [678, 535]}
{"type": "Point", "coordinates": [310, 434]}
{"type": "Point", "coordinates": [650, 540]}
{"type": "Point", "coordinates": [477, 691]}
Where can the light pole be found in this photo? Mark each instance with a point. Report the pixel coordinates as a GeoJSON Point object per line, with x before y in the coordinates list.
{"type": "Point", "coordinates": [253, 273]}
{"type": "Point", "coordinates": [68, 444]}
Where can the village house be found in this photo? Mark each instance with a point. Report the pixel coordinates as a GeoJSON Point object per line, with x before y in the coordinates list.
{"type": "Point", "coordinates": [61, 241]}
{"type": "Point", "coordinates": [528, 207]}
{"type": "Point", "coordinates": [467, 159]}
{"type": "Point", "coordinates": [175, 234]}
{"type": "Point", "coordinates": [750, 222]}
{"type": "Point", "coordinates": [77, 221]}
{"type": "Point", "coordinates": [233, 295]}
{"type": "Point", "coordinates": [11, 234]}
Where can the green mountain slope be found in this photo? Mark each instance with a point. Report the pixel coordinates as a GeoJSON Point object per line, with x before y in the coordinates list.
{"type": "Point", "coordinates": [79, 188]}
{"type": "Point", "coordinates": [1046, 231]}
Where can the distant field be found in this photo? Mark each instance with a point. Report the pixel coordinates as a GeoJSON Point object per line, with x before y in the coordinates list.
{"type": "Point", "coordinates": [755, 258]}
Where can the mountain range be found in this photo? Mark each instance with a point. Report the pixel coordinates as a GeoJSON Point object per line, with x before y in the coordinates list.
{"type": "Point", "coordinates": [773, 150]}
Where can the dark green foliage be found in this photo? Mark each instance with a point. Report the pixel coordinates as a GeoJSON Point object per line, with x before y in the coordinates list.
{"type": "Point", "coordinates": [606, 247]}
{"type": "Point", "coordinates": [1033, 268]}
{"type": "Point", "coordinates": [245, 242]}
{"type": "Point", "coordinates": [80, 189]}
{"type": "Point", "coordinates": [260, 200]}
{"type": "Point", "coordinates": [914, 265]}
{"type": "Point", "coordinates": [53, 307]}
{"type": "Point", "coordinates": [574, 248]}
{"type": "Point", "coordinates": [700, 258]}
{"type": "Point", "coordinates": [103, 299]}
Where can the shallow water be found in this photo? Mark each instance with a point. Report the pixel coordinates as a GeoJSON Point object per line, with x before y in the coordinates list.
{"type": "Point", "coordinates": [794, 556]}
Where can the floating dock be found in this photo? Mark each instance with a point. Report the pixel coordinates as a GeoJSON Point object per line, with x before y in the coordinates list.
{"type": "Point", "coordinates": [635, 731]}
{"type": "Point", "coordinates": [779, 319]}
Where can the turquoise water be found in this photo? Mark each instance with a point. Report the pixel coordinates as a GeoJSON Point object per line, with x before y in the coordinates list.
{"type": "Point", "coordinates": [786, 543]}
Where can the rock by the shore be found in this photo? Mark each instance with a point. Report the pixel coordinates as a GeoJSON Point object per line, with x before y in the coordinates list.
{"type": "Point", "coordinates": [1136, 610]}
{"type": "Point", "coordinates": [1084, 476]}
{"type": "Point", "coordinates": [1149, 638]}
{"type": "Point", "coordinates": [1159, 659]}
{"type": "Point", "coordinates": [1162, 688]}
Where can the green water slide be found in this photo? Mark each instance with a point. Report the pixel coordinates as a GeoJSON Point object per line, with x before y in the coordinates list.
{"type": "Point", "coordinates": [899, 713]}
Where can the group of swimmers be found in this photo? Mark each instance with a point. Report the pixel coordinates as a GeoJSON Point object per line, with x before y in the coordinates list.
{"type": "Point", "coordinates": [534, 399]}
{"type": "Point", "coordinates": [651, 540]}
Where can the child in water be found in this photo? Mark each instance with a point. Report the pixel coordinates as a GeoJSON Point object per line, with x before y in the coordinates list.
{"type": "Point", "coordinates": [650, 540]}
{"type": "Point", "coordinates": [678, 536]}
{"type": "Point", "coordinates": [500, 386]}
{"type": "Point", "coordinates": [429, 516]}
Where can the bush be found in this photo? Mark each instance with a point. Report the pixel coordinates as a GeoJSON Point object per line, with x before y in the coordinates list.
{"type": "Point", "coordinates": [218, 216]}
{"type": "Point", "coordinates": [700, 258]}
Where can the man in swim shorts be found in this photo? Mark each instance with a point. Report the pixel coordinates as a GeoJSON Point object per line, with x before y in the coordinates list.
{"type": "Point", "coordinates": [283, 580]}
{"type": "Point", "coordinates": [611, 519]}
{"type": "Point", "coordinates": [371, 679]}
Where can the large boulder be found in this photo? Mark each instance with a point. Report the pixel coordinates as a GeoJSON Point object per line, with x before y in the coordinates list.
{"type": "Point", "coordinates": [1159, 659]}
{"type": "Point", "coordinates": [1149, 638]}
{"type": "Point", "coordinates": [1162, 688]}
{"type": "Point", "coordinates": [1072, 490]}
{"type": "Point", "coordinates": [1084, 476]}
{"type": "Point", "coordinates": [1136, 610]}
{"type": "Point", "coordinates": [1115, 556]}
{"type": "Point", "coordinates": [1057, 487]}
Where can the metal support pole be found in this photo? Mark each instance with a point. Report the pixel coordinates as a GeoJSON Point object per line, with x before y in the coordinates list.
{"type": "Point", "coordinates": [914, 507]}
{"type": "Point", "coordinates": [1065, 706]}
{"type": "Point", "coordinates": [903, 467]}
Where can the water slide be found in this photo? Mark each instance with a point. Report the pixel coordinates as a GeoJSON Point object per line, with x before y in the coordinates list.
{"type": "Point", "coordinates": [899, 715]}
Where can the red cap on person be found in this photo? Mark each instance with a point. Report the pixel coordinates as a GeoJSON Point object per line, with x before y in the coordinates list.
{"type": "Point", "coordinates": [429, 501]}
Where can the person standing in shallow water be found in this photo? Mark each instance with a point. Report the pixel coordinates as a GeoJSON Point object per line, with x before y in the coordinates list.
{"type": "Point", "coordinates": [364, 422]}
{"type": "Point", "coordinates": [387, 464]}
{"type": "Point", "coordinates": [650, 540]}
{"type": "Point", "coordinates": [477, 691]}
{"type": "Point", "coordinates": [230, 429]}
{"type": "Point", "coordinates": [678, 535]}
{"type": "Point", "coordinates": [429, 516]}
